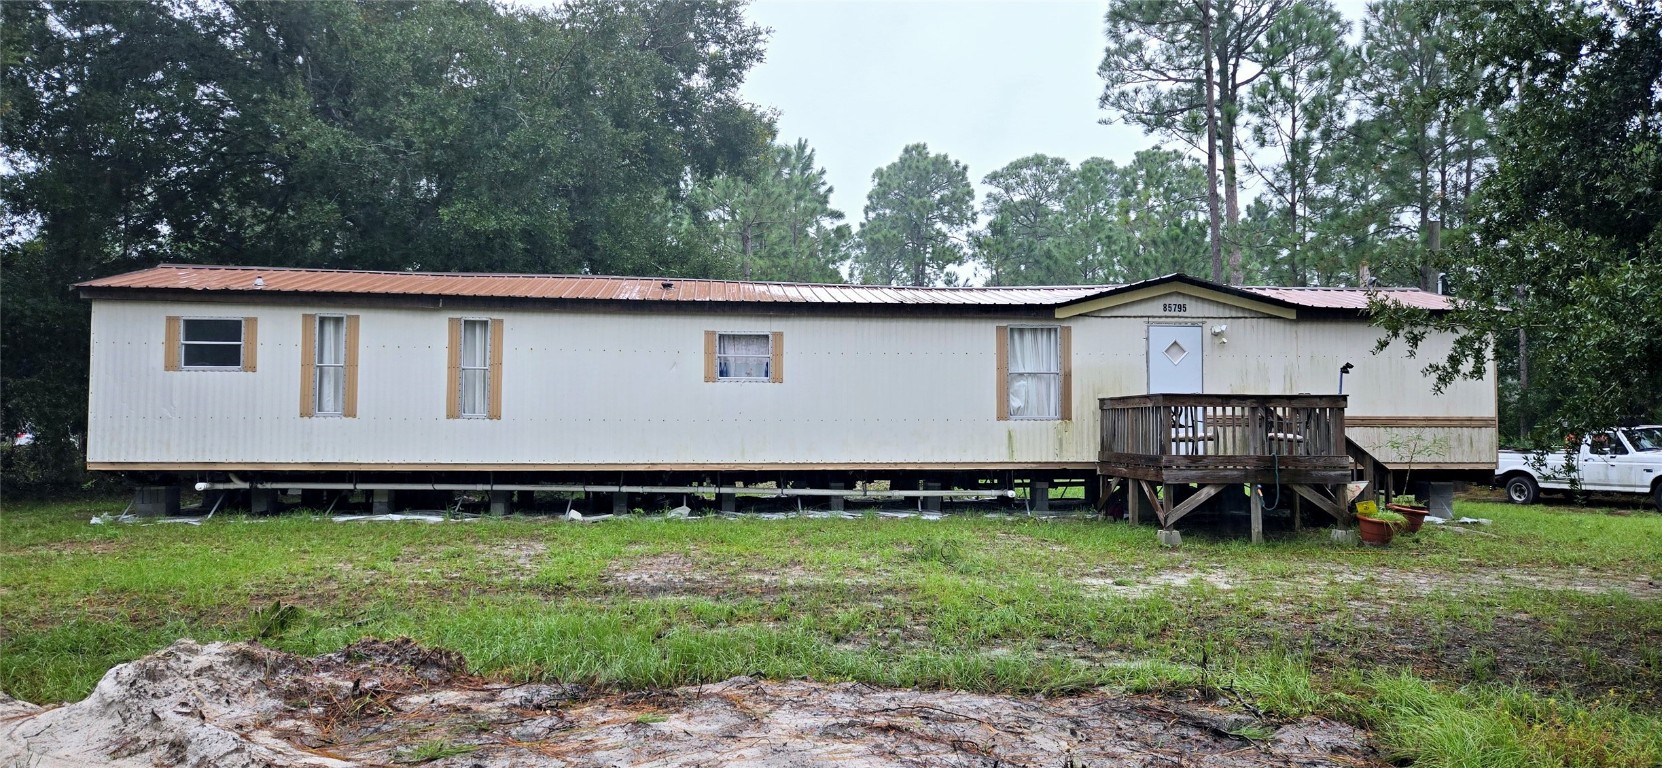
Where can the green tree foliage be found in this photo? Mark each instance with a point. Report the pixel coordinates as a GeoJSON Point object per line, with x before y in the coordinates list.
{"type": "Point", "coordinates": [1164, 204]}
{"type": "Point", "coordinates": [1563, 241]}
{"type": "Point", "coordinates": [1158, 67]}
{"type": "Point", "coordinates": [1027, 223]}
{"type": "Point", "coordinates": [1294, 114]}
{"type": "Point", "coordinates": [777, 223]}
{"type": "Point", "coordinates": [1422, 145]}
{"type": "Point", "coordinates": [391, 135]}
{"type": "Point", "coordinates": [1050, 224]}
{"type": "Point", "coordinates": [917, 212]}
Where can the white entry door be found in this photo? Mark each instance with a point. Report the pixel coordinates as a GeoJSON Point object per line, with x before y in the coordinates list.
{"type": "Point", "coordinates": [1174, 359]}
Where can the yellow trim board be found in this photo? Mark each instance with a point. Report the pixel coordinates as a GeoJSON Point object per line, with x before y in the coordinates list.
{"type": "Point", "coordinates": [1152, 291]}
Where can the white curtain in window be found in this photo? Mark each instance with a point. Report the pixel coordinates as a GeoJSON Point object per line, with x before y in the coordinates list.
{"type": "Point", "coordinates": [1035, 358]}
{"type": "Point", "coordinates": [331, 364]}
{"type": "Point", "coordinates": [475, 367]}
{"type": "Point", "coordinates": [331, 389]}
{"type": "Point", "coordinates": [475, 343]}
{"type": "Point", "coordinates": [331, 340]}
{"type": "Point", "coordinates": [743, 355]}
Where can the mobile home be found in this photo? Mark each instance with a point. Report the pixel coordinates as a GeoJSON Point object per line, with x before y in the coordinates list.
{"type": "Point", "coordinates": [293, 376]}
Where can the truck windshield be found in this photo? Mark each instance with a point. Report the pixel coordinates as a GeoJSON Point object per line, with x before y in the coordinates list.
{"type": "Point", "coordinates": [1645, 438]}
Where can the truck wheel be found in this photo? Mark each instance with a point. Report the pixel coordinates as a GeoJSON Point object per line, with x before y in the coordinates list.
{"type": "Point", "coordinates": [1521, 489]}
{"type": "Point", "coordinates": [1656, 496]}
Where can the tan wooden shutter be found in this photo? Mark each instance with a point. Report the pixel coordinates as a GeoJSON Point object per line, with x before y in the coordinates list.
{"type": "Point", "coordinates": [170, 359]}
{"type": "Point", "coordinates": [776, 366]}
{"type": "Point", "coordinates": [349, 408]}
{"type": "Point", "coordinates": [453, 396]}
{"type": "Point", "coordinates": [1067, 372]}
{"type": "Point", "coordinates": [1003, 356]}
{"type": "Point", "coordinates": [250, 343]}
{"type": "Point", "coordinates": [308, 365]}
{"type": "Point", "coordinates": [709, 355]}
{"type": "Point", "coordinates": [495, 411]}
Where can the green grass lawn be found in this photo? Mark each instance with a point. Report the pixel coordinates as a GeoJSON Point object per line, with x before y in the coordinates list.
{"type": "Point", "coordinates": [1538, 641]}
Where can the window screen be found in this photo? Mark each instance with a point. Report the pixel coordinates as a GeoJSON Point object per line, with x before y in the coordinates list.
{"type": "Point", "coordinates": [211, 342]}
{"type": "Point", "coordinates": [744, 356]}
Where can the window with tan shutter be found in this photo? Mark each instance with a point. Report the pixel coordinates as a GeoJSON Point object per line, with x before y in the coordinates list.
{"type": "Point", "coordinates": [1035, 372]}
{"type": "Point", "coordinates": [329, 365]}
{"type": "Point", "coordinates": [744, 356]}
{"type": "Point", "coordinates": [475, 368]}
{"type": "Point", "coordinates": [211, 343]}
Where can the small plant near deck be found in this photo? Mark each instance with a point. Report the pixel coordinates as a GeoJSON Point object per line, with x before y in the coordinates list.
{"type": "Point", "coordinates": [1406, 499]}
{"type": "Point", "coordinates": [1417, 446]}
{"type": "Point", "coordinates": [1379, 526]}
{"type": "Point", "coordinates": [1386, 516]}
{"type": "Point", "coordinates": [648, 718]}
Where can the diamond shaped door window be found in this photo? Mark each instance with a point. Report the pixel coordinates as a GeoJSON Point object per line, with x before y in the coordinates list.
{"type": "Point", "coordinates": [1175, 353]}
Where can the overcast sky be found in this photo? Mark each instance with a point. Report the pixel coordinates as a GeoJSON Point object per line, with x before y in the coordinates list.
{"type": "Point", "coordinates": [985, 82]}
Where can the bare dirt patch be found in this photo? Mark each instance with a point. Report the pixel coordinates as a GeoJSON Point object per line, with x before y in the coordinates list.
{"type": "Point", "coordinates": [1383, 582]}
{"type": "Point", "coordinates": [233, 705]}
{"type": "Point", "coordinates": [669, 573]}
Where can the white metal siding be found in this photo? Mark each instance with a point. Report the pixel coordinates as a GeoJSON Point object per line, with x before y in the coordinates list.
{"type": "Point", "coordinates": [628, 388]}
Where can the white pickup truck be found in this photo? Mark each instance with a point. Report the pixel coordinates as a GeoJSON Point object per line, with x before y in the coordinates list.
{"type": "Point", "coordinates": [1625, 460]}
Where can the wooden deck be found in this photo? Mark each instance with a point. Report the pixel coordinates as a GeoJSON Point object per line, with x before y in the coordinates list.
{"type": "Point", "coordinates": [1217, 441]}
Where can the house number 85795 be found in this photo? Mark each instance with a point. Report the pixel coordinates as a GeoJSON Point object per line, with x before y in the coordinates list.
{"type": "Point", "coordinates": [1174, 307]}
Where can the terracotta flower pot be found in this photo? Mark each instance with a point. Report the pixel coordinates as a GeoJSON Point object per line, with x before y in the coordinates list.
{"type": "Point", "coordinates": [1375, 532]}
{"type": "Point", "coordinates": [1415, 514]}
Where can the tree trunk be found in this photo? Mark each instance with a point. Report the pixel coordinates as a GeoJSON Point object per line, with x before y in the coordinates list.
{"type": "Point", "coordinates": [1227, 98]}
{"type": "Point", "coordinates": [1523, 376]}
{"type": "Point", "coordinates": [1214, 225]}
{"type": "Point", "coordinates": [744, 258]}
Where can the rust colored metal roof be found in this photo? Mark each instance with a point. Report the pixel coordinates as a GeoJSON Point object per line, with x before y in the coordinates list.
{"type": "Point", "coordinates": [581, 287]}
{"type": "Point", "coordinates": [180, 277]}
{"type": "Point", "coordinates": [1353, 298]}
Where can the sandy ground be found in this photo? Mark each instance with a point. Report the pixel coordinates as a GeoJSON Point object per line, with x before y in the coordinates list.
{"type": "Point", "coordinates": [239, 705]}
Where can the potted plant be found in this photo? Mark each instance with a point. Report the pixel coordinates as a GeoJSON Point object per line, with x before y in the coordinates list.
{"type": "Point", "coordinates": [1410, 508]}
{"type": "Point", "coordinates": [1410, 447]}
{"type": "Point", "coordinates": [1378, 527]}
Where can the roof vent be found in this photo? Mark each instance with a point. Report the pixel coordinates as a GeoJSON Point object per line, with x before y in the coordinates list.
{"type": "Point", "coordinates": [259, 282]}
{"type": "Point", "coordinates": [667, 285]}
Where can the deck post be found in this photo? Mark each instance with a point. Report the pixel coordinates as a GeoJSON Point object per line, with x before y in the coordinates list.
{"type": "Point", "coordinates": [1257, 516]}
{"type": "Point", "coordinates": [1038, 491]}
{"type": "Point", "coordinates": [620, 503]}
{"type": "Point", "coordinates": [1133, 504]}
{"type": "Point", "coordinates": [837, 501]}
{"type": "Point", "coordinates": [500, 503]}
{"type": "Point", "coordinates": [1105, 493]}
{"type": "Point", "coordinates": [381, 502]}
{"type": "Point", "coordinates": [729, 502]}
{"type": "Point", "coordinates": [1298, 512]}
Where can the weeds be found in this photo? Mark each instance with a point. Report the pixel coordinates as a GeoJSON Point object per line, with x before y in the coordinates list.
{"type": "Point", "coordinates": [429, 751]}
{"type": "Point", "coordinates": [1507, 672]}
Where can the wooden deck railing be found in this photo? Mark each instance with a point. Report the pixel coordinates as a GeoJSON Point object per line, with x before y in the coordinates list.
{"type": "Point", "coordinates": [1195, 438]}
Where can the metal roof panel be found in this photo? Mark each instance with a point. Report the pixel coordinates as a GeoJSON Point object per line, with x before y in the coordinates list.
{"type": "Point", "coordinates": [609, 288]}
